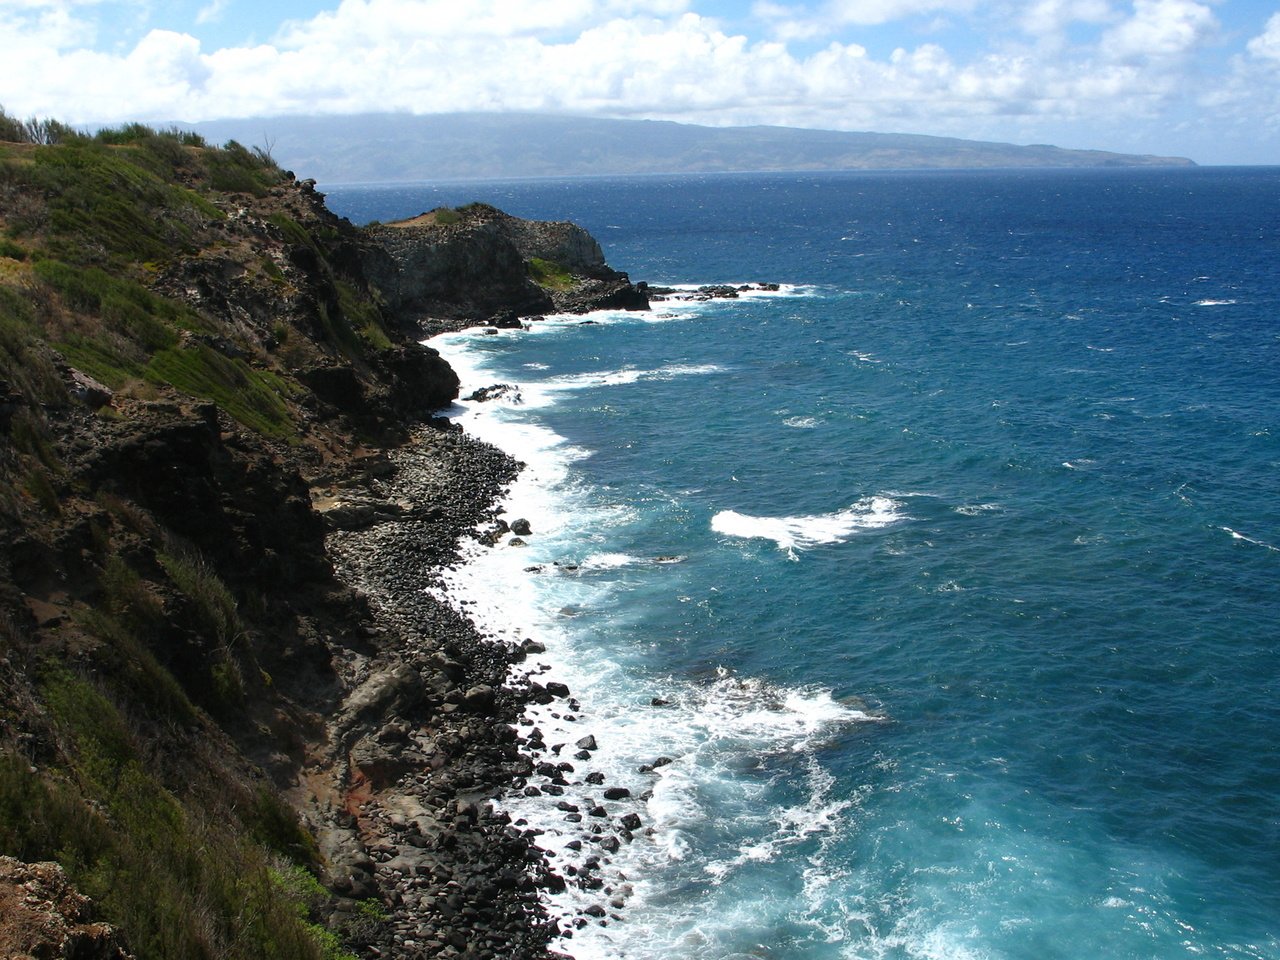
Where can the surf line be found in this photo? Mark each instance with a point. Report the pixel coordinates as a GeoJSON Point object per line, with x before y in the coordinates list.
{"type": "Point", "coordinates": [612, 802]}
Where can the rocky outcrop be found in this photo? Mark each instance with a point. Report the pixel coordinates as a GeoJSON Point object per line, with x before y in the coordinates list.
{"type": "Point", "coordinates": [42, 915]}
{"type": "Point", "coordinates": [447, 269]}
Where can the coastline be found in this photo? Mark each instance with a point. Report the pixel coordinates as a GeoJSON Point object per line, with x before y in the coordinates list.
{"type": "Point", "coordinates": [429, 812]}
{"type": "Point", "coordinates": [629, 765]}
{"type": "Point", "coordinates": [427, 732]}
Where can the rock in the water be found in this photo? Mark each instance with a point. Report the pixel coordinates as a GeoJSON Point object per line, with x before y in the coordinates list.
{"type": "Point", "coordinates": [494, 392]}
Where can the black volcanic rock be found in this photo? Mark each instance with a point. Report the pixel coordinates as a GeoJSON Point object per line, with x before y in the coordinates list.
{"type": "Point", "coordinates": [448, 269]}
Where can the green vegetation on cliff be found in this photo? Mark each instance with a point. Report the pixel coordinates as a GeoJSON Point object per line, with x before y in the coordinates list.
{"type": "Point", "coordinates": [184, 332]}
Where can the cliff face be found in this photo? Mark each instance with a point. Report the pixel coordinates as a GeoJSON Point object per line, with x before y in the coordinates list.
{"type": "Point", "coordinates": [452, 268]}
{"type": "Point", "coordinates": [219, 477]}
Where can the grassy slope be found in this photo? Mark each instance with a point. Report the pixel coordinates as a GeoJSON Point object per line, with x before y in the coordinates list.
{"type": "Point", "coordinates": [109, 764]}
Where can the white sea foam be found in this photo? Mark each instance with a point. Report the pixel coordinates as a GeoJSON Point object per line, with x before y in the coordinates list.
{"type": "Point", "coordinates": [801, 423]}
{"type": "Point", "coordinates": [609, 561]}
{"type": "Point", "coordinates": [1236, 535]}
{"type": "Point", "coordinates": [541, 392]}
{"type": "Point", "coordinates": [977, 509]}
{"type": "Point", "coordinates": [802, 532]}
{"type": "Point", "coordinates": [474, 373]}
{"type": "Point", "coordinates": [710, 809]}
{"type": "Point", "coordinates": [1214, 303]}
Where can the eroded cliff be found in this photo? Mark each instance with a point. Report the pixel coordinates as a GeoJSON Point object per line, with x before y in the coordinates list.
{"type": "Point", "coordinates": [451, 268]}
{"type": "Point", "coordinates": [219, 476]}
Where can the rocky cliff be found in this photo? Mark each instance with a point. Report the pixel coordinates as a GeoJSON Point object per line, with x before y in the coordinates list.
{"type": "Point", "coordinates": [222, 496]}
{"type": "Point", "coordinates": [450, 268]}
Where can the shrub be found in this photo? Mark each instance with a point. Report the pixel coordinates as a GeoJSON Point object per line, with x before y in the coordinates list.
{"type": "Point", "coordinates": [548, 273]}
{"type": "Point", "coordinates": [236, 169]}
{"type": "Point", "coordinates": [180, 884]}
{"type": "Point", "coordinates": [102, 205]}
{"type": "Point", "coordinates": [200, 583]}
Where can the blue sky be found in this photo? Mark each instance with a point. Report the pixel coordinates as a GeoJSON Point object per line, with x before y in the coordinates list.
{"type": "Point", "coordinates": [1198, 78]}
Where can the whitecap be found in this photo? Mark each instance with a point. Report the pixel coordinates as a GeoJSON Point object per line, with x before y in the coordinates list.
{"type": "Point", "coordinates": [1236, 535]}
{"type": "Point", "coordinates": [727, 735]}
{"type": "Point", "coordinates": [801, 423]}
{"type": "Point", "coordinates": [1214, 303]}
{"type": "Point", "coordinates": [800, 532]}
{"type": "Point", "coordinates": [976, 509]}
{"type": "Point", "coordinates": [627, 375]}
{"type": "Point", "coordinates": [609, 561]}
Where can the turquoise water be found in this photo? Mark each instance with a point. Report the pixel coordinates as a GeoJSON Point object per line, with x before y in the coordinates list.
{"type": "Point", "coordinates": [967, 605]}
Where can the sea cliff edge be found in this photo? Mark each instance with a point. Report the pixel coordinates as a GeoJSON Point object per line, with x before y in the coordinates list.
{"type": "Point", "coordinates": [225, 492]}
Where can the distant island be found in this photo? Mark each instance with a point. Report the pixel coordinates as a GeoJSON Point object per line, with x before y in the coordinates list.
{"type": "Point", "coordinates": [388, 147]}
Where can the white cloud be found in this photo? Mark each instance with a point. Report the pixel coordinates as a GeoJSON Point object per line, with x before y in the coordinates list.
{"type": "Point", "coordinates": [32, 23]}
{"type": "Point", "coordinates": [1050, 17]}
{"type": "Point", "coordinates": [1266, 46]}
{"type": "Point", "coordinates": [869, 12]}
{"type": "Point", "coordinates": [653, 58]}
{"type": "Point", "coordinates": [212, 12]}
{"type": "Point", "coordinates": [1245, 107]}
{"type": "Point", "coordinates": [789, 22]}
{"type": "Point", "coordinates": [1160, 29]}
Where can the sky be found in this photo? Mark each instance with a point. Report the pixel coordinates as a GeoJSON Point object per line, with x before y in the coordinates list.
{"type": "Point", "coordinates": [1195, 78]}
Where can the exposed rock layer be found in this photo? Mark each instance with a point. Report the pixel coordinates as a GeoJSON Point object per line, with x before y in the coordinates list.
{"type": "Point", "coordinates": [474, 265]}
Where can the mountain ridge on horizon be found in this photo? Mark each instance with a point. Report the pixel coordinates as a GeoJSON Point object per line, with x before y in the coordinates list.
{"type": "Point", "coordinates": [397, 147]}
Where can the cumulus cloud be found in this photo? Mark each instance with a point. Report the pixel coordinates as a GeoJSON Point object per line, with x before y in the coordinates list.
{"type": "Point", "coordinates": [870, 12]}
{"type": "Point", "coordinates": [1046, 18]}
{"type": "Point", "coordinates": [789, 22]}
{"type": "Point", "coordinates": [1246, 106]}
{"type": "Point", "coordinates": [1091, 60]}
{"type": "Point", "coordinates": [1266, 46]}
{"type": "Point", "coordinates": [1160, 29]}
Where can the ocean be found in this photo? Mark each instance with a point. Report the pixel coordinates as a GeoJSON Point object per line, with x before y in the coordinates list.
{"type": "Point", "coordinates": [941, 581]}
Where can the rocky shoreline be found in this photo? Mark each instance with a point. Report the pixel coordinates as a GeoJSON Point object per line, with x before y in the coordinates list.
{"type": "Point", "coordinates": [426, 737]}
{"type": "Point", "coordinates": [433, 732]}
{"type": "Point", "coordinates": [437, 730]}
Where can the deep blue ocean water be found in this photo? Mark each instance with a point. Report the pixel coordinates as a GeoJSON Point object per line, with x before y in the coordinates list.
{"type": "Point", "coordinates": [956, 559]}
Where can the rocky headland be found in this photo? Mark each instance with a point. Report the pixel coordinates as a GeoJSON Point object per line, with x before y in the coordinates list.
{"type": "Point", "coordinates": [232, 713]}
{"type": "Point", "coordinates": [454, 268]}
